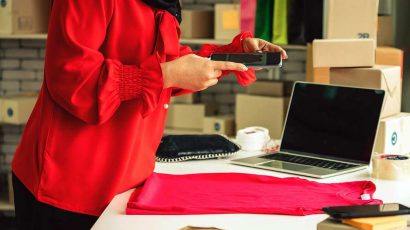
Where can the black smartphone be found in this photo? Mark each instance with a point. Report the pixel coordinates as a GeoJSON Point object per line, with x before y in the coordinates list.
{"type": "Point", "coordinates": [389, 209]}
{"type": "Point", "coordinates": [251, 60]}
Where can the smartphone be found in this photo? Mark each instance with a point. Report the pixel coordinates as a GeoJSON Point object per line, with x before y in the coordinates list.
{"type": "Point", "coordinates": [389, 209]}
{"type": "Point", "coordinates": [252, 60]}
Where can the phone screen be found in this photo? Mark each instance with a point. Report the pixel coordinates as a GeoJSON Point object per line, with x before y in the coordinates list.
{"type": "Point", "coordinates": [264, 59]}
{"type": "Point", "coordinates": [249, 58]}
{"type": "Point", "coordinates": [366, 210]}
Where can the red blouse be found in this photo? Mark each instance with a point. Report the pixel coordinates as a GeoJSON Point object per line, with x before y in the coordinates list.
{"type": "Point", "coordinates": [100, 114]}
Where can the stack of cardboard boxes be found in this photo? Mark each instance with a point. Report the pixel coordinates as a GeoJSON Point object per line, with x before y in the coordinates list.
{"type": "Point", "coordinates": [360, 24]}
{"type": "Point", "coordinates": [265, 104]}
{"type": "Point", "coordinates": [349, 53]}
{"type": "Point", "coordinates": [187, 116]}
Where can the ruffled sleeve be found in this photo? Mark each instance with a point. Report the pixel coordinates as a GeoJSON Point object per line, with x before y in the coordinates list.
{"type": "Point", "coordinates": [80, 79]}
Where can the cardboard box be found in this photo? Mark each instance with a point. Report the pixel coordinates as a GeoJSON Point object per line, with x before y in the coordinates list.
{"type": "Point", "coordinates": [270, 88]}
{"type": "Point", "coordinates": [182, 131]}
{"type": "Point", "coordinates": [350, 19]}
{"type": "Point", "coordinates": [186, 98]}
{"type": "Point", "coordinates": [389, 56]}
{"type": "Point", "coordinates": [186, 116]}
{"type": "Point", "coordinates": [385, 35]}
{"type": "Point", "coordinates": [18, 109]}
{"type": "Point", "coordinates": [318, 74]}
{"type": "Point", "coordinates": [268, 112]}
{"type": "Point", "coordinates": [220, 125]}
{"type": "Point", "coordinates": [197, 23]}
{"type": "Point", "coordinates": [343, 52]}
{"type": "Point", "coordinates": [24, 16]}
{"type": "Point", "coordinates": [394, 135]}
{"type": "Point", "coordinates": [227, 21]}
{"type": "Point", "coordinates": [379, 77]}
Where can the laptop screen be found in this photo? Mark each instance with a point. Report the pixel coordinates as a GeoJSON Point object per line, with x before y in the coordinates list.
{"type": "Point", "coordinates": [333, 121]}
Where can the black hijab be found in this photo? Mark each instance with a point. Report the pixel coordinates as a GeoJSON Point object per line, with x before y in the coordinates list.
{"type": "Point", "coordinates": [172, 6]}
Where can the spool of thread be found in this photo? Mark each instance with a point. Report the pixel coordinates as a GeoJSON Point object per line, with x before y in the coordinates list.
{"type": "Point", "coordinates": [391, 167]}
{"type": "Point", "coordinates": [252, 138]}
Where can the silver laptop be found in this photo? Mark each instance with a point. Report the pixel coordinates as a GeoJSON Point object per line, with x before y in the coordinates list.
{"type": "Point", "coordinates": [329, 130]}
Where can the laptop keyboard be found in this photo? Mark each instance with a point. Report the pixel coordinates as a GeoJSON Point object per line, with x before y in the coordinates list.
{"type": "Point", "coordinates": [309, 161]}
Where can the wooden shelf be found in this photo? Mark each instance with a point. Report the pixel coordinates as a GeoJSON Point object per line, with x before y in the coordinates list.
{"type": "Point", "coordinates": [23, 36]}
{"type": "Point", "coordinates": [194, 41]}
{"type": "Point", "coordinates": [186, 41]}
{"type": "Point", "coordinates": [198, 41]}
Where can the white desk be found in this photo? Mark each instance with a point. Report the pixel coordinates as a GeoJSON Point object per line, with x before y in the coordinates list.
{"type": "Point", "coordinates": [114, 217]}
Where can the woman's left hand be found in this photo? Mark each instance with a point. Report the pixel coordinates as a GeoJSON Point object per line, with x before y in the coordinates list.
{"type": "Point", "coordinates": [257, 44]}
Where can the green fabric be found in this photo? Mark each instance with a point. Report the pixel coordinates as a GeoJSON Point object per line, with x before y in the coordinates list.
{"type": "Point", "coordinates": [280, 22]}
{"type": "Point", "coordinates": [263, 19]}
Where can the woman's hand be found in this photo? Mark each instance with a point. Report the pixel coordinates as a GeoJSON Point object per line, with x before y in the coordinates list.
{"type": "Point", "coordinates": [195, 73]}
{"type": "Point", "coordinates": [256, 44]}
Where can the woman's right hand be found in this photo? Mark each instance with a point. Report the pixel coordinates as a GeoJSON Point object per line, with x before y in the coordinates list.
{"type": "Point", "coordinates": [195, 73]}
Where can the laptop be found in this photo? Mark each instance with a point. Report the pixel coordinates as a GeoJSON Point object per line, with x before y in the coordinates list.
{"type": "Point", "coordinates": [329, 130]}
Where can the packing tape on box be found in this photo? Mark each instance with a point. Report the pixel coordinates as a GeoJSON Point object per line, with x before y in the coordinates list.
{"type": "Point", "coordinates": [252, 138]}
{"type": "Point", "coordinates": [391, 167]}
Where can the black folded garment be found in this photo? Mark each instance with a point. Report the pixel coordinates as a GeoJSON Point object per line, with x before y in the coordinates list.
{"type": "Point", "coordinates": [175, 148]}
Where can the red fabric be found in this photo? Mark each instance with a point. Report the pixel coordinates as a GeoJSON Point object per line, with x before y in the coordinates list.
{"type": "Point", "coordinates": [217, 193]}
{"type": "Point", "coordinates": [100, 114]}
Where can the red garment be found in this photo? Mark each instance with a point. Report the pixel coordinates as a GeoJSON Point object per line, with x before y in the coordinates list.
{"type": "Point", "coordinates": [100, 114]}
{"type": "Point", "coordinates": [217, 193]}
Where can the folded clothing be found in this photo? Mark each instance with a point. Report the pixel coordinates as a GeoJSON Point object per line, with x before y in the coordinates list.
{"type": "Point", "coordinates": [218, 193]}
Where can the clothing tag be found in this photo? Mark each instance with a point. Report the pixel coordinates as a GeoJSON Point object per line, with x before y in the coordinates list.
{"type": "Point", "coordinates": [365, 196]}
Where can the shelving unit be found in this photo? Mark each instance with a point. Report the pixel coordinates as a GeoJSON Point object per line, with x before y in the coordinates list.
{"type": "Point", "coordinates": [23, 36]}
{"type": "Point", "coordinates": [186, 41]}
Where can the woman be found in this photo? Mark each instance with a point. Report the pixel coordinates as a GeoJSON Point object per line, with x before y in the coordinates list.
{"type": "Point", "coordinates": [111, 68]}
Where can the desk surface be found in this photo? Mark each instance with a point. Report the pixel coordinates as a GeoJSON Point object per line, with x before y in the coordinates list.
{"type": "Point", "coordinates": [114, 217]}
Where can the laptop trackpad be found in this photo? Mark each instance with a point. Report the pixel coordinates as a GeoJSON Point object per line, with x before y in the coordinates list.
{"type": "Point", "coordinates": [297, 167]}
{"type": "Point", "coordinates": [286, 165]}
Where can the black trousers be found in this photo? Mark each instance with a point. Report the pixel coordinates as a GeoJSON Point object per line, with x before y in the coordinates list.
{"type": "Point", "coordinates": [32, 214]}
